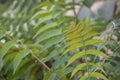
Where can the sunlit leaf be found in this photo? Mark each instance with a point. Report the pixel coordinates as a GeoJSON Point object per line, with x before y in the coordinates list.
{"type": "Point", "coordinates": [80, 54]}
{"type": "Point", "coordinates": [79, 45]}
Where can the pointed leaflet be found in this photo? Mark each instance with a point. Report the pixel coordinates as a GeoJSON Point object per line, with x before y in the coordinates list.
{"type": "Point", "coordinates": [43, 20]}
{"type": "Point", "coordinates": [78, 34]}
{"type": "Point", "coordinates": [94, 74]}
{"type": "Point", "coordinates": [19, 57]}
{"type": "Point", "coordinates": [49, 34]}
{"type": "Point", "coordinates": [79, 27]}
{"type": "Point", "coordinates": [80, 54]}
{"type": "Point", "coordinates": [51, 42]}
{"type": "Point", "coordinates": [40, 14]}
{"type": "Point", "coordinates": [48, 3]}
{"type": "Point", "coordinates": [77, 40]}
{"type": "Point", "coordinates": [6, 47]}
{"type": "Point", "coordinates": [46, 27]}
{"type": "Point", "coordinates": [80, 66]}
{"type": "Point", "coordinates": [79, 45]}
{"type": "Point", "coordinates": [54, 53]}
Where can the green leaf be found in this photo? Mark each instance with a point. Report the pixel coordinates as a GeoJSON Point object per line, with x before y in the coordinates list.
{"type": "Point", "coordinates": [46, 18]}
{"type": "Point", "coordinates": [94, 74]}
{"type": "Point", "coordinates": [40, 14]}
{"type": "Point", "coordinates": [50, 75]}
{"type": "Point", "coordinates": [61, 74]}
{"type": "Point", "coordinates": [79, 45]}
{"type": "Point", "coordinates": [19, 57]}
{"type": "Point", "coordinates": [116, 77]}
{"type": "Point", "coordinates": [1, 64]}
{"type": "Point", "coordinates": [43, 4]}
{"type": "Point", "coordinates": [51, 42]}
{"type": "Point", "coordinates": [6, 47]}
{"type": "Point", "coordinates": [80, 26]}
{"type": "Point", "coordinates": [46, 27]}
{"type": "Point", "coordinates": [49, 34]}
{"type": "Point", "coordinates": [54, 53]}
{"type": "Point", "coordinates": [93, 41]}
{"type": "Point", "coordinates": [80, 54]}
{"type": "Point", "coordinates": [109, 67]}
{"type": "Point", "coordinates": [1, 34]}
{"type": "Point", "coordinates": [77, 40]}
{"type": "Point", "coordinates": [80, 66]}
{"type": "Point", "coordinates": [76, 33]}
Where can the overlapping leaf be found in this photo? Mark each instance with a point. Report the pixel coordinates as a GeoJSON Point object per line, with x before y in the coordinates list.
{"type": "Point", "coordinates": [80, 36]}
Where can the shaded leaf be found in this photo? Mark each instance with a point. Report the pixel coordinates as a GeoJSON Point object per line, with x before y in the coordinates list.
{"type": "Point", "coordinates": [19, 57]}
{"type": "Point", "coordinates": [6, 47]}
{"type": "Point", "coordinates": [54, 53]}
{"type": "Point", "coordinates": [1, 64]}
{"type": "Point", "coordinates": [51, 42]}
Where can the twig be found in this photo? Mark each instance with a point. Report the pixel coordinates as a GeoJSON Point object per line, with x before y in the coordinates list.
{"type": "Point", "coordinates": [40, 61]}
{"type": "Point", "coordinates": [73, 7]}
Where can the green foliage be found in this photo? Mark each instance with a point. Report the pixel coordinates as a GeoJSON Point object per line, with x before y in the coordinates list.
{"type": "Point", "coordinates": [77, 36]}
{"type": "Point", "coordinates": [18, 58]}
{"type": "Point", "coordinates": [41, 43]}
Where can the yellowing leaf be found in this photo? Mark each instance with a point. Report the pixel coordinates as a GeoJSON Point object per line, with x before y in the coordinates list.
{"type": "Point", "coordinates": [79, 45]}
{"type": "Point", "coordinates": [77, 40]}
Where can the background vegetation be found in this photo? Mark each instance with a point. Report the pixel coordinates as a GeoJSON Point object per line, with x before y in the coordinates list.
{"type": "Point", "coordinates": [38, 41]}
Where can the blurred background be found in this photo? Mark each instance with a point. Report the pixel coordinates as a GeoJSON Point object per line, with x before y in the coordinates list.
{"type": "Point", "coordinates": [16, 22]}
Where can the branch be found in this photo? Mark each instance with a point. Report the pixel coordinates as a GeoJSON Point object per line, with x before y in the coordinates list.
{"type": "Point", "coordinates": [40, 61]}
{"type": "Point", "coordinates": [73, 7]}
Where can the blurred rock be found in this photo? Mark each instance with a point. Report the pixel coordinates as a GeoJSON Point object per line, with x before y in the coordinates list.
{"type": "Point", "coordinates": [103, 9]}
{"type": "Point", "coordinates": [81, 11]}
{"type": "Point", "coordinates": [118, 7]}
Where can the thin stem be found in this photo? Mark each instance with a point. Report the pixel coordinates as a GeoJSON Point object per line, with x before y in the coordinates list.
{"type": "Point", "coordinates": [33, 54]}
{"type": "Point", "coordinates": [40, 61]}
{"type": "Point", "coordinates": [73, 7]}
{"type": "Point", "coordinates": [86, 59]}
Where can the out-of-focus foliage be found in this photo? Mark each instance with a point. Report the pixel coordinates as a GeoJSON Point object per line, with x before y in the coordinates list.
{"type": "Point", "coordinates": [38, 42]}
